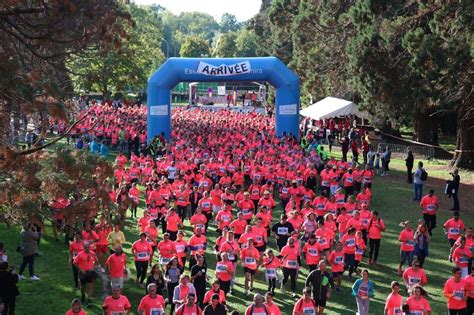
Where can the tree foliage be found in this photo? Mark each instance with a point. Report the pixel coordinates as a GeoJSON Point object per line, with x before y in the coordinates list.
{"type": "Point", "coordinates": [126, 68]}
{"type": "Point", "coordinates": [229, 23]}
{"type": "Point", "coordinates": [37, 38]}
{"type": "Point", "coordinates": [407, 62]}
{"type": "Point", "coordinates": [194, 46]}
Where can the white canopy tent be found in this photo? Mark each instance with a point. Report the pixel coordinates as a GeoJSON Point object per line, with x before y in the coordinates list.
{"type": "Point", "coordinates": [331, 107]}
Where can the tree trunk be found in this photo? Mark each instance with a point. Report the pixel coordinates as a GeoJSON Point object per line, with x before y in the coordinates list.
{"type": "Point", "coordinates": [464, 154]}
{"type": "Point", "coordinates": [425, 129]}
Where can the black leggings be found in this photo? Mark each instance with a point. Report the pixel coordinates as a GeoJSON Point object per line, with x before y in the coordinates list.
{"type": "Point", "coordinates": [142, 267]}
{"type": "Point", "coordinates": [430, 220]}
{"type": "Point", "coordinates": [9, 306]}
{"type": "Point", "coordinates": [225, 286]}
{"type": "Point", "coordinates": [30, 261]}
{"type": "Point", "coordinates": [374, 245]}
{"type": "Point", "coordinates": [271, 285]}
{"type": "Point", "coordinates": [170, 286]}
{"type": "Point", "coordinates": [457, 312]}
{"type": "Point", "coordinates": [287, 272]}
{"type": "Point", "coordinates": [75, 274]}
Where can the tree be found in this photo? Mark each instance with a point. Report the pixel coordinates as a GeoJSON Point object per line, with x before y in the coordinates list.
{"type": "Point", "coordinates": [194, 46]}
{"type": "Point", "coordinates": [225, 45]}
{"type": "Point", "coordinates": [320, 34]}
{"type": "Point", "coordinates": [246, 43]}
{"type": "Point", "coordinates": [229, 23]}
{"type": "Point", "coordinates": [36, 40]}
{"type": "Point", "coordinates": [127, 68]}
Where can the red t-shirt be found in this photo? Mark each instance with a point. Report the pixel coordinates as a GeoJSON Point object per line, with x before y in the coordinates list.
{"type": "Point", "coordinates": [393, 304]}
{"type": "Point", "coordinates": [151, 305]}
{"type": "Point", "coordinates": [456, 292]}
{"type": "Point", "coordinates": [115, 306]}
{"type": "Point", "coordinates": [429, 204]}
{"type": "Point", "coordinates": [141, 250]}
{"type": "Point", "coordinates": [85, 261]}
{"type": "Point", "coordinates": [406, 238]}
{"type": "Point", "coordinates": [336, 260]}
{"type": "Point", "coordinates": [224, 270]}
{"type": "Point", "coordinates": [116, 265]}
{"type": "Point", "coordinates": [419, 307]}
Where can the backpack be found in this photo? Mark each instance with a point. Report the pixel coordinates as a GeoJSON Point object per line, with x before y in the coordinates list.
{"type": "Point", "coordinates": [424, 175]}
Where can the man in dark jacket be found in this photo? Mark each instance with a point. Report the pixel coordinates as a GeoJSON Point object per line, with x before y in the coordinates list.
{"type": "Point", "coordinates": [322, 282]}
{"type": "Point", "coordinates": [8, 289]}
{"type": "Point", "coordinates": [215, 308]}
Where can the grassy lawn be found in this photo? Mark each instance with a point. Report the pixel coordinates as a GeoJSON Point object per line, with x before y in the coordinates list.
{"type": "Point", "coordinates": [392, 198]}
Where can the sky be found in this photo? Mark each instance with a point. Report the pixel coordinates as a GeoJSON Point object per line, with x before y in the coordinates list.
{"type": "Point", "coordinates": [242, 9]}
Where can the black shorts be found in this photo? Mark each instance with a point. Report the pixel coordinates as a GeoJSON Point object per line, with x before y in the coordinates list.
{"type": "Point", "coordinates": [262, 248]}
{"type": "Point", "coordinates": [87, 277]}
{"type": "Point", "coordinates": [248, 270]}
{"type": "Point", "coordinates": [320, 302]}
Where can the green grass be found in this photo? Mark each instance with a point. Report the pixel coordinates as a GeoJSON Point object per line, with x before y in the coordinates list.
{"type": "Point", "coordinates": [392, 198]}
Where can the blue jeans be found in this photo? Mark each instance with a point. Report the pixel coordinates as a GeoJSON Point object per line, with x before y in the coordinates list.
{"type": "Point", "coordinates": [418, 188]}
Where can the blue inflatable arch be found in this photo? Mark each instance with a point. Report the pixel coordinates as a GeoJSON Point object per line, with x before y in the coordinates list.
{"type": "Point", "coordinates": [176, 70]}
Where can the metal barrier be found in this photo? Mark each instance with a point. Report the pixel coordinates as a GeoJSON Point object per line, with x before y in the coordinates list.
{"type": "Point", "coordinates": [401, 150]}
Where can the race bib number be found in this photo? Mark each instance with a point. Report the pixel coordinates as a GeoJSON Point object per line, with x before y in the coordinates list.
{"type": "Point", "coordinates": [325, 183]}
{"type": "Point", "coordinates": [225, 218]}
{"type": "Point", "coordinates": [454, 231]}
{"type": "Point", "coordinates": [259, 239]}
{"type": "Point", "coordinates": [458, 295]}
{"type": "Point", "coordinates": [416, 312]}
{"type": "Point", "coordinates": [308, 310]}
{"type": "Point", "coordinates": [142, 255]}
{"type": "Point", "coordinates": [414, 280]}
{"type": "Point", "coordinates": [431, 208]}
{"type": "Point", "coordinates": [180, 248]}
{"type": "Point", "coordinates": [221, 268]}
{"type": "Point", "coordinates": [292, 263]}
{"type": "Point", "coordinates": [350, 242]}
{"type": "Point", "coordinates": [397, 310]}
{"type": "Point", "coordinates": [339, 260]}
{"type": "Point", "coordinates": [359, 251]}
{"type": "Point", "coordinates": [313, 252]}
{"type": "Point", "coordinates": [250, 260]}
{"type": "Point", "coordinates": [206, 205]}
{"type": "Point", "coordinates": [463, 259]}
{"type": "Point", "coordinates": [156, 311]}
{"type": "Point", "coordinates": [282, 231]}
{"type": "Point", "coordinates": [365, 221]}
{"type": "Point", "coordinates": [246, 211]}
{"type": "Point", "coordinates": [231, 256]}
{"type": "Point", "coordinates": [363, 291]}
{"type": "Point", "coordinates": [410, 243]}
{"type": "Point", "coordinates": [270, 272]}
{"type": "Point", "coordinates": [200, 226]}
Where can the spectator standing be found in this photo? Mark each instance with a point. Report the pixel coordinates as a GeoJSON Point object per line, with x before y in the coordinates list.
{"type": "Point", "coordinates": [29, 250]}
{"type": "Point", "coordinates": [386, 156]}
{"type": "Point", "coordinates": [455, 189]}
{"type": "Point", "coordinates": [8, 289]}
{"type": "Point", "coordinates": [409, 161]}
{"type": "Point", "coordinates": [418, 180]}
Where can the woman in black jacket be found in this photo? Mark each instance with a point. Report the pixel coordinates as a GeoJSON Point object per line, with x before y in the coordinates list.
{"type": "Point", "coordinates": [8, 289]}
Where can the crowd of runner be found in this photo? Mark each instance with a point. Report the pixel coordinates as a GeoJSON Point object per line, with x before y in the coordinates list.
{"type": "Point", "coordinates": [227, 174]}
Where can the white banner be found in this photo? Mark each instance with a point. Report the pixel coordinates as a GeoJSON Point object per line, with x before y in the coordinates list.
{"type": "Point", "coordinates": [287, 109]}
{"type": "Point", "coordinates": [223, 70]}
{"type": "Point", "coordinates": [221, 90]}
{"type": "Point", "coordinates": [160, 110]}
